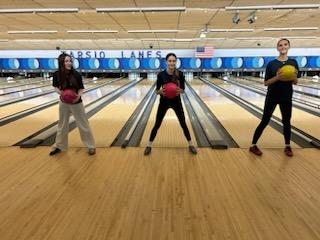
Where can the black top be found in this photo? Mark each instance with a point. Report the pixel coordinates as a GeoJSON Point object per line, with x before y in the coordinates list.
{"type": "Point", "coordinates": [164, 77]}
{"type": "Point", "coordinates": [56, 83]}
{"type": "Point", "coordinates": [279, 91]}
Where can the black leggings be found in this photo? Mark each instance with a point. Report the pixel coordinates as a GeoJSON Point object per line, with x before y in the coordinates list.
{"type": "Point", "coordinates": [163, 107]}
{"type": "Point", "coordinates": [286, 110]}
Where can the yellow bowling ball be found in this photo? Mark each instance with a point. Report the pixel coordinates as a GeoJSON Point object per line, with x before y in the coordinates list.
{"type": "Point", "coordinates": [288, 73]}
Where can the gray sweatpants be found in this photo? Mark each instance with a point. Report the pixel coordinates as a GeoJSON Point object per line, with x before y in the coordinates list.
{"type": "Point", "coordinates": [77, 110]}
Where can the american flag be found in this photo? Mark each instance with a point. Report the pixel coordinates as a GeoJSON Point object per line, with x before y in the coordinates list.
{"type": "Point", "coordinates": [204, 52]}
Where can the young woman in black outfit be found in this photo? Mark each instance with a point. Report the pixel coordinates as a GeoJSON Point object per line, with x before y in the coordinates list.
{"type": "Point", "coordinates": [171, 74]}
{"type": "Point", "coordinates": [279, 92]}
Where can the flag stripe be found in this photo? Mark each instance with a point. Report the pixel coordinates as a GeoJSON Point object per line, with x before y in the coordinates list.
{"type": "Point", "coordinates": [204, 52]}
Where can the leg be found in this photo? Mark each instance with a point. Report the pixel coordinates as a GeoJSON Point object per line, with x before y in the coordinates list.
{"type": "Point", "coordinates": [286, 112]}
{"type": "Point", "coordinates": [162, 109]}
{"type": "Point", "coordinates": [267, 114]}
{"type": "Point", "coordinates": [63, 126]}
{"type": "Point", "coordinates": [178, 109]}
{"type": "Point", "coordinates": [83, 125]}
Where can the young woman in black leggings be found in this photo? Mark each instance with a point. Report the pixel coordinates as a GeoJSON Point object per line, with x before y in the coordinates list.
{"type": "Point", "coordinates": [171, 74]}
{"type": "Point", "coordinates": [279, 92]}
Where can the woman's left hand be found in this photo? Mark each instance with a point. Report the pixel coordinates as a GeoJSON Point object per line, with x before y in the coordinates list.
{"type": "Point", "coordinates": [179, 91]}
{"type": "Point", "coordinates": [76, 99]}
{"type": "Point", "coordinates": [295, 80]}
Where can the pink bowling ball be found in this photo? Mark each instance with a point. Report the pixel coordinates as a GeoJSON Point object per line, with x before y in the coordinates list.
{"type": "Point", "coordinates": [68, 96]}
{"type": "Point", "coordinates": [170, 90]}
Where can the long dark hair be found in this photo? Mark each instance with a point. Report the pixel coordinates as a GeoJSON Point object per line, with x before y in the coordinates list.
{"type": "Point", "coordinates": [175, 77]}
{"type": "Point", "coordinates": [63, 72]}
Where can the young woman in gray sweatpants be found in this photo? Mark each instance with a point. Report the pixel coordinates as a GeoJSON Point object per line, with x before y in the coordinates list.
{"type": "Point", "coordinates": [67, 78]}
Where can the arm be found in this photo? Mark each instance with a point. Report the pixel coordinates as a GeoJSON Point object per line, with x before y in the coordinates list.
{"type": "Point", "coordinates": [269, 80]}
{"type": "Point", "coordinates": [272, 80]}
{"type": "Point", "coordinates": [55, 83]}
{"type": "Point", "coordinates": [80, 92]}
{"type": "Point", "coordinates": [81, 88]}
{"type": "Point", "coordinates": [159, 91]}
{"type": "Point", "coordinates": [295, 81]}
{"type": "Point", "coordinates": [182, 83]}
{"type": "Point", "coordinates": [57, 90]}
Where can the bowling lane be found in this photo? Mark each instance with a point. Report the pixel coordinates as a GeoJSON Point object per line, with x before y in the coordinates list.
{"type": "Point", "coordinates": [25, 82]}
{"type": "Point", "coordinates": [3, 80]}
{"type": "Point", "coordinates": [240, 123]}
{"type": "Point", "coordinates": [310, 82]}
{"type": "Point", "coordinates": [298, 87]}
{"type": "Point", "coordinates": [23, 93]}
{"type": "Point", "coordinates": [26, 87]}
{"type": "Point", "coordinates": [107, 123]}
{"type": "Point", "coordinates": [170, 133]}
{"type": "Point", "coordinates": [29, 90]}
{"type": "Point", "coordinates": [305, 121]}
{"type": "Point", "coordinates": [16, 131]}
{"type": "Point", "coordinates": [300, 96]}
{"type": "Point", "coordinates": [33, 102]}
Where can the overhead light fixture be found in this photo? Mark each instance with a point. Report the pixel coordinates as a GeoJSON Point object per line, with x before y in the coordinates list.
{"type": "Point", "coordinates": [301, 37]}
{"type": "Point", "coordinates": [252, 18]}
{"type": "Point", "coordinates": [209, 39]}
{"type": "Point", "coordinates": [253, 38]}
{"type": "Point", "coordinates": [236, 18]}
{"type": "Point", "coordinates": [291, 29]}
{"type": "Point", "coordinates": [123, 39]}
{"type": "Point", "coordinates": [168, 39]}
{"type": "Point", "coordinates": [34, 40]}
{"type": "Point", "coordinates": [232, 30]}
{"type": "Point", "coordinates": [203, 35]}
{"type": "Point", "coordinates": [178, 40]}
{"type": "Point", "coordinates": [142, 9]}
{"type": "Point", "coordinates": [204, 32]}
{"type": "Point", "coordinates": [271, 7]}
{"type": "Point", "coordinates": [39, 10]}
{"type": "Point", "coordinates": [154, 31]}
{"type": "Point", "coordinates": [92, 31]}
{"type": "Point", "coordinates": [181, 39]}
{"type": "Point", "coordinates": [33, 32]}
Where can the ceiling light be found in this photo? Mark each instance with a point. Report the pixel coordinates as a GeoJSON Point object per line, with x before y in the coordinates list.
{"type": "Point", "coordinates": [232, 30]}
{"type": "Point", "coordinates": [291, 29]}
{"type": "Point", "coordinates": [33, 32]}
{"type": "Point", "coordinates": [236, 18]}
{"type": "Point", "coordinates": [204, 32]}
{"type": "Point", "coordinates": [92, 31]}
{"type": "Point", "coordinates": [39, 10]}
{"type": "Point", "coordinates": [154, 31]}
{"type": "Point", "coordinates": [301, 37]}
{"type": "Point", "coordinates": [143, 9]}
{"type": "Point", "coordinates": [253, 38]}
{"type": "Point", "coordinates": [252, 18]}
{"type": "Point", "coordinates": [203, 35]}
{"type": "Point", "coordinates": [271, 7]}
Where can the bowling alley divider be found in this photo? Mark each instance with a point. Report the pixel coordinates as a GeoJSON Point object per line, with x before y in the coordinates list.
{"type": "Point", "coordinates": [152, 64]}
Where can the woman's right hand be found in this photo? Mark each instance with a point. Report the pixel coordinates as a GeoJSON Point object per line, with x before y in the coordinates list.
{"type": "Point", "coordinates": [279, 76]}
{"type": "Point", "coordinates": [161, 92]}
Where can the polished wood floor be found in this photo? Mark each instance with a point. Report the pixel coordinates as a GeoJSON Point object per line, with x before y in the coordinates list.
{"type": "Point", "coordinates": [120, 194]}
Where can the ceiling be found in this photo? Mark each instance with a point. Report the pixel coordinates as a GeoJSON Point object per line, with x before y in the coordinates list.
{"type": "Point", "coordinates": [189, 24]}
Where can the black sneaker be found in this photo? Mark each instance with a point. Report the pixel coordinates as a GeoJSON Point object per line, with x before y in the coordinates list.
{"type": "Point", "coordinates": [92, 151]}
{"type": "Point", "coordinates": [288, 151]}
{"type": "Point", "coordinates": [54, 151]}
{"type": "Point", "coordinates": [193, 150]}
{"type": "Point", "coordinates": [147, 151]}
{"type": "Point", "coordinates": [255, 150]}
